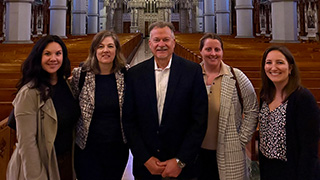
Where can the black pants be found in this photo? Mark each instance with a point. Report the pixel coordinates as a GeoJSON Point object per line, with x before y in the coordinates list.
{"type": "Point", "coordinates": [105, 161]}
{"type": "Point", "coordinates": [208, 167]}
{"type": "Point", "coordinates": [65, 166]}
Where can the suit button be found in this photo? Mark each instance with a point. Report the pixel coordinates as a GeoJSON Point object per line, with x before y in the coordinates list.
{"type": "Point", "coordinates": [158, 150]}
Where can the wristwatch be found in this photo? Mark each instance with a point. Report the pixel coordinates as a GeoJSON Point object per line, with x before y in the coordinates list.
{"type": "Point", "coordinates": [180, 163]}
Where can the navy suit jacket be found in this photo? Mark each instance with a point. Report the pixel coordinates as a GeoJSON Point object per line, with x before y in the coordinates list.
{"type": "Point", "coordinates": [184, 118]}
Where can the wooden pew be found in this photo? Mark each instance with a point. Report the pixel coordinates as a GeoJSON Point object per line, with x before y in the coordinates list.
{"type": "Point", "coordinates": [246, 54]}
{"type": "Point", "coordinates": [11, 58]}
{"type": "Point", "coordinates": [7, 144]}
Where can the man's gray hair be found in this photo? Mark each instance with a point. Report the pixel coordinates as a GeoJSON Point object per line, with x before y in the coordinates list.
{"type": "Point", "coordinates": [161, 24]}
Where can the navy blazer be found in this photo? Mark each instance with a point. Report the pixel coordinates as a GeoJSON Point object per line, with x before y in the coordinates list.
{"type": "Point", "coordinates": [184, 118]}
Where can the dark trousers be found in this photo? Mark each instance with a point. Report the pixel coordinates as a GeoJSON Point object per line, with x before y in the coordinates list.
{"type": "Point", "coordinates": [65, 166]}
{"type": "Point", "coordinates": [272, 169]}
{"type": "Point", "coordinates": [105, 161]}
{"type": "Point", "coordinates": [208, 167]}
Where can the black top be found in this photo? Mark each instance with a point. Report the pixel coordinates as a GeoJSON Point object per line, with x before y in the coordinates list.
{"type": "Point", "coordinates": [105, 124]}
{"type": "Point", "coordinates": [68, 112]}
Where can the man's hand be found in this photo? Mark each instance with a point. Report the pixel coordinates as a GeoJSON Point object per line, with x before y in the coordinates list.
{"type": "Point", "coordinates": [171, 168]}
{"type": "Point", "coordinates": [153, 166]}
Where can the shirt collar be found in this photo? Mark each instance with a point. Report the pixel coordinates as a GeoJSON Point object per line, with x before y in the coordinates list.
{"type": "Point", "coordinates": [223, 69]}
{"type": "Point", "coordinates": [156, 68]}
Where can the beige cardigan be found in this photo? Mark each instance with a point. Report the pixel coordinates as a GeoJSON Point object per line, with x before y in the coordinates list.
{"type": "Point", "coordinates": [34, 156]}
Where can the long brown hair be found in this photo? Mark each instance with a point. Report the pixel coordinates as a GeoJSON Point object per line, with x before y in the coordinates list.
{"type": "Point", "coordinates": [268, 89]}
{"type": "Point", "coordinates": [91, 63]}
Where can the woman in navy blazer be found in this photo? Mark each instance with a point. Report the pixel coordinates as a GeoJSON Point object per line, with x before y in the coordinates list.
{"type": "Point", "coordinates": [289, 121]}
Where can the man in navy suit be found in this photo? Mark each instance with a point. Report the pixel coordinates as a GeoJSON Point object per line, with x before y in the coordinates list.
{"type": "Point", "coordinates": [165, 111]}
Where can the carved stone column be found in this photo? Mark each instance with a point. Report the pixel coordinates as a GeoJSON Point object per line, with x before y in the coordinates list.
{"type": "Point", "coordinates": [1, 19]}
{"type": "Point", "coordinates": [58, 12]}
{"type": "Point", "coordinates": [93, 16]}
{"type": "Point", "coordinates": [190, 17]}
{"type": "Point", "coordinates": [18, 25]}
{"type": "Point", "coordinates": [223, 17]}
{"type": "Point", "coordinates": [79, 18]}
{"type": "Point", "coordinates": [137, 18]}
{"type": "Point", "coordinates": [209, 18]}
{"type": "Point", "coordinates": [102, 16]}
{"type": "Point", "coordinates": [244, 19]}
{"type": "Point", "coordinates": [199, 16]}
{"type": "Point", "coordinates": [284, 11]}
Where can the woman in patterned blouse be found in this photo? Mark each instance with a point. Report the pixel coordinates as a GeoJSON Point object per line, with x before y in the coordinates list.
{"type": "Point", "coordinates": [289, 120]}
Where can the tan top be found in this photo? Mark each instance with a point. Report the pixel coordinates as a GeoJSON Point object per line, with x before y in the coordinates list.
{"type": "Point", "coordinates": [210, 140]}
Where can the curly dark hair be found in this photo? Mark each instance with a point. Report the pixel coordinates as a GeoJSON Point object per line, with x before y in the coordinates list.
{"type": "Point", "coordinates": [32, 70]}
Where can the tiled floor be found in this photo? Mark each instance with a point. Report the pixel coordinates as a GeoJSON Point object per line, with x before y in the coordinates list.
{"type": "Point", "coordinates": [142, 54]}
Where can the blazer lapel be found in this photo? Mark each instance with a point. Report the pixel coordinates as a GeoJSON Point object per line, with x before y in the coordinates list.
{"type": "Point", "coordinates": [150, 82]}
{"type": "Point", "coordinates": [174, 77]}
{"type": "Point", "coordinates": [48, 108]}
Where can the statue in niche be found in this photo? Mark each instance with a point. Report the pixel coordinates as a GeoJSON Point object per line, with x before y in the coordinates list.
{"type": "Point", "coordinates": [135, 17]}
{"type": "Point", "coordinates": [166, 15]}
{"type": "Point", "coordinates": [311, 21]}
{"type": "Point", "coordinates": [111, 17]}
{"type": "Point", "coordinates": [263, 22]}
{"type": "Point", "coordinates": [189, 16]}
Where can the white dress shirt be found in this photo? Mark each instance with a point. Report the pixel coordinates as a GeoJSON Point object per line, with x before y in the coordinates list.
{"type": "Point", "coordinates": [162, 78]}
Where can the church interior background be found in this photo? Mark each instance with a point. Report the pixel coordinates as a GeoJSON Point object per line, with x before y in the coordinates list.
{"type": "Point", "coordinates": [22, 20]}
{"type": "Point", "coordinates": [292, 21]}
